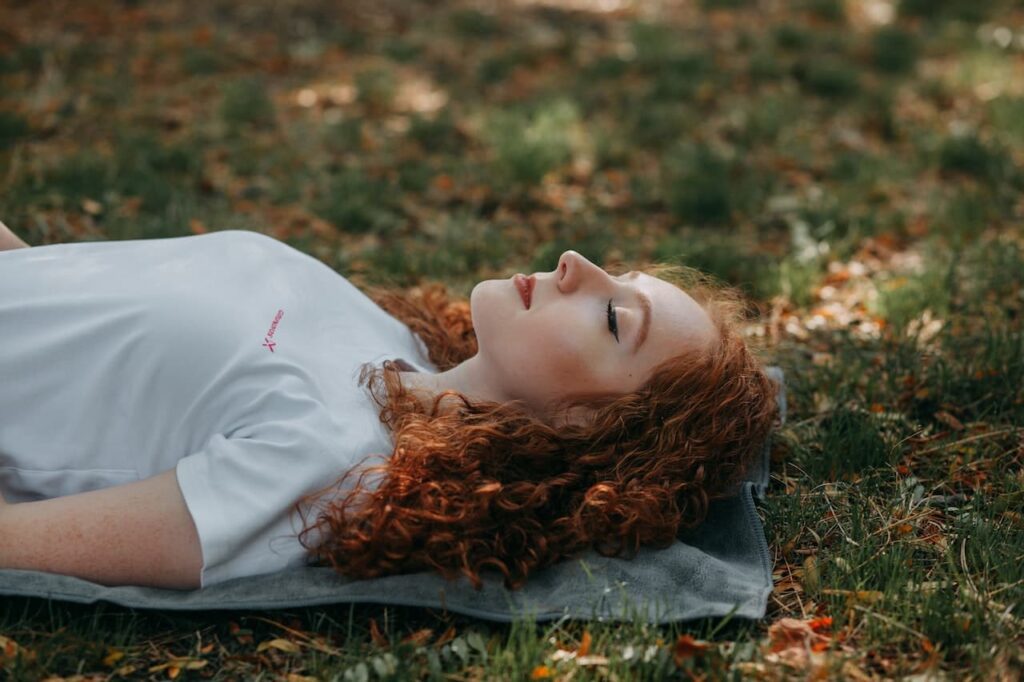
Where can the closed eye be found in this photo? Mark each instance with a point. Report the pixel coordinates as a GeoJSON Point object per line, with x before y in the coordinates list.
{"type": "Point", "coordinates": [613, 321]}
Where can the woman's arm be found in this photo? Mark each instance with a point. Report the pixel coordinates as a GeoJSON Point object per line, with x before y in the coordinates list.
{"type": "Point", "coordinates": [9, 240]}
{"type": "Point", "coordinates": [138, 533]}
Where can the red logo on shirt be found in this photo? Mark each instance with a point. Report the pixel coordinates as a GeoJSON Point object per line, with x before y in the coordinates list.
{"type": "Point", "coordinates": [270, 333]}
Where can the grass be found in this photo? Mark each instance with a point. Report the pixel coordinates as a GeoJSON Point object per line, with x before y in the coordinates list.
{"type": "Point", "coordinates": [861, 181]}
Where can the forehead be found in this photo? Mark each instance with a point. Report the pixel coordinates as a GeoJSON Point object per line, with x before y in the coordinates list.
{"type": "Point", "coordinates": [676, 318]}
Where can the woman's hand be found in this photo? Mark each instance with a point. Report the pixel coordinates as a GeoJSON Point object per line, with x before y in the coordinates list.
{"type": "Point", "coordinates": [9, 240]}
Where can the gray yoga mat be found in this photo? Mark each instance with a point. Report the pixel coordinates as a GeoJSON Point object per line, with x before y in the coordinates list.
{"type": "Point", "coordinates": [720, 568]}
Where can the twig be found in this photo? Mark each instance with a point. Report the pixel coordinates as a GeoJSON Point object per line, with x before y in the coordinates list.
{"type": "Point", "coordinates": [979, 436]}
{"type": "Point", "coordinates": [839, 524]}
{"type": "Point", "coordinates": [963, 565]}
{"type": "Point", "coordinates": [311, 642]}
{"type": "Point", "coordinates": [890, 621]}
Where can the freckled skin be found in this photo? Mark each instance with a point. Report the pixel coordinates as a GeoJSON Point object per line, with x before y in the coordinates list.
{"type": "Point", "coordinates": [562, 345]}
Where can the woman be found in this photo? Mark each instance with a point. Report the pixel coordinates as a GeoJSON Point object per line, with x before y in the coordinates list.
{"type": "Point", "coordinates": [179, 412]}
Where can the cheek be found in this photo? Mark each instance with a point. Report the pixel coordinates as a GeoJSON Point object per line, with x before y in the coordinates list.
{"type": "Point", "coordinates": [554, 350]}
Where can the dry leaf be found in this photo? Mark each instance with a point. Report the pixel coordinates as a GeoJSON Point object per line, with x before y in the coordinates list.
{"type": "Point", "coordinates": [792, 633]}
{"type": "Point", "coordinates": [419, 638]}
{"type": "Point", "coordinates": [584, 645]}
{"type": "Point", "coordinates": [379, 640]}
{"type": "Point", "coordinates": [447, 636]}
{"type": "Point", "coordinates": [865, 596]}
{"type": "Point", "coordinates": [688, 647]}
{"type": "Point", "coordinates": [949, 420]}
{"type": "Point", "coordinates": [113, 657]}
{"type": "Point", "coordinates": [540, 672]}
{"type": "Point", "coordinates": [811, 578]}
{"type": "Point", "coordinates": [9, 649]}
{"type": "Point", "coordinates": [92, 207]}
{"type": "Point", "coordinates": [285, 645]}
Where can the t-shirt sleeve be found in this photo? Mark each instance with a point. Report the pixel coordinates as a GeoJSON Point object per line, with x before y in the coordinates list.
{"type": "Point", "coordinates": [240, 489]}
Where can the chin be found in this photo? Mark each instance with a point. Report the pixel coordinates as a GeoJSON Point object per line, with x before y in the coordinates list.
{"type": "Point", "coordinates": [490, 306]}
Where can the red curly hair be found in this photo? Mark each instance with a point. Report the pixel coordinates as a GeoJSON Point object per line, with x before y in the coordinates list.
{"type": "Point", "coordinates": [488, 485]}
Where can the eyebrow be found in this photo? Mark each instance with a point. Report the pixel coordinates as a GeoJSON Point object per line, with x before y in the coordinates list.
{"type": "Point", "coordinates": [645, 308]}
{"type": "Point", "coordinates": [645, 323]}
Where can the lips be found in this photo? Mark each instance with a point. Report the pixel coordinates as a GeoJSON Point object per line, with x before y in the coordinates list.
{"type": "Point", "coordinates": [524, 285]}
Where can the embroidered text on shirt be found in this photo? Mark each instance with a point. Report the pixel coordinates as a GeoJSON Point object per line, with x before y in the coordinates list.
{"type": "Point", "coordinates": [273, 328]}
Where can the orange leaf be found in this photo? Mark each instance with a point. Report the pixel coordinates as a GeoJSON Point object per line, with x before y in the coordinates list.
{"type": "Point", "coordinates": [791, 633]}
{"type": "Point", "coordinates": [419, 638]}
{"type": "Point", "coordinates": [378, 638]}
{"type": "Point", "coordinates": [585, 645]}
{"type": "Point", "coordinates": [285, 645]}
{"type": "Point", "coordinates": [444, 182]}
{"type": "Point", "coordinates": [540, 672]}
{"type": "Point", "coordinates": [447, 636]}
{"type": "Point", "coordinates": [113, 657]}
{"type": "Point", "coordinates": [202, 35]}
{"type": "Point", "coordinates": [688, 647]}
{"type": "Point", "coordinates": [822, 623]}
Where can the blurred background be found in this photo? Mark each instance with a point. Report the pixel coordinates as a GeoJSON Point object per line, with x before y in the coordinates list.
{"type": "Point", "coordinates": [838, 159]}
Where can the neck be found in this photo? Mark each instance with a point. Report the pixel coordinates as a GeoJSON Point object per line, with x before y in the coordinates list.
{"type": "Point", "coordinates": [469, 378]}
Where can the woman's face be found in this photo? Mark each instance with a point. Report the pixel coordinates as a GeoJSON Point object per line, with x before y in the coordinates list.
{"type": "Point", "coordinates": [565, 343]}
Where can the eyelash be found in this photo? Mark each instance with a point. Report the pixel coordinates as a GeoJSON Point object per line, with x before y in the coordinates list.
{"type": "Point", "coordinates": [613, 321]}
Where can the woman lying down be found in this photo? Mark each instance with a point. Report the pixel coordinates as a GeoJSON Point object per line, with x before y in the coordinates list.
{"type": "Point", "coordinates": [179, 412]}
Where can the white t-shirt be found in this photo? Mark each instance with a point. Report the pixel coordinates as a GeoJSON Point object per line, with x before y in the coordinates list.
{"type": "Point", "coordinates": [230, 356]}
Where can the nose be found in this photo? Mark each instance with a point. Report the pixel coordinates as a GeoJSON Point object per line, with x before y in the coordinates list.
{"type": "Point", "coordinates": [574, 271]}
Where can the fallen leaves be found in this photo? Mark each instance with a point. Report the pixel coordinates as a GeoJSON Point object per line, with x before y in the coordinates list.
{"type": "Point", "coordinates": [787, 633]}
{"type": "Point", "coordinates": [687, 647]}
{"type": "Point", "coordinates": [11, 651]}
{"type": "Point", "coordinates": [175, 665]}
{"type": "Point", "coordinates": [854, 596]}
{"type": "Point", "coordinates": [284, 645]}
{"type": "Point", "coordinates": [800, 644]}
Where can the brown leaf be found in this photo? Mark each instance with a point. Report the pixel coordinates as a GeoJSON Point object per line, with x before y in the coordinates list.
{"type": "Point", "coordinates": [285, 645]}
{"type": "Point", "coordinates": [447, 636]}
{"type": "Point", "coordinates": [379, 640]}
{"type": "Point", "coordinates": [811, 576]}
{"type": "Point", "coordinates": [949, 420]}
{"type": "Point", "coordinates": [584, 645]}
{"type": "Point", "coordinates": [92, 207]}
{"type": "Point", "coordinates": [688, 647]}
{"type": "Point", "coordinates": [9, 649]}
{"type": "Point", "coordinates": [791, 632]}
{"type": "Point", "coordinates": [865, 596]}
{"type": "Point", "coordinates": [419, 638]}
